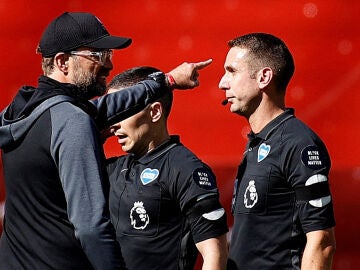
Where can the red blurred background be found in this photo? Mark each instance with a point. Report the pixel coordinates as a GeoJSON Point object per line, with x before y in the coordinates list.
{"type": "Point", "coordinates": [324, 37]}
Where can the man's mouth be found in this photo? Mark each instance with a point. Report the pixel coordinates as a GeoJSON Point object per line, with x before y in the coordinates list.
{"type": "Point", "coordinates": [121, 138]}
{"type": "Point", "coordinates": [101, 76]}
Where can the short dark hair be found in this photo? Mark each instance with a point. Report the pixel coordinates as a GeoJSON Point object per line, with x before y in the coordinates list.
{"type": "Point", "coordinates": [267, 50]}
{"type": "Point", "coordinates": [47, 65]}
{"type": "Point", "coordinates": [135, 75]}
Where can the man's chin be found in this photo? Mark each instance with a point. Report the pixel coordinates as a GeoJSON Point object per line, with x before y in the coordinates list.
{"type": "Point", "coordinates": [126, 148]}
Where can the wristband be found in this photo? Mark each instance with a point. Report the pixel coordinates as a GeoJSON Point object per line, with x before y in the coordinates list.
{"type": "Point", "coordinates": [170, 80]}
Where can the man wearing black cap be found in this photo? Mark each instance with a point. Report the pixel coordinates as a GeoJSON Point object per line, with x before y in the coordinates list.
{"type": "Point", "coordinates": [56, 212]}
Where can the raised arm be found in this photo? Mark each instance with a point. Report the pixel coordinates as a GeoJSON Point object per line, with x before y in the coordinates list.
{"type": "Point", "coordinates": [119, 105]}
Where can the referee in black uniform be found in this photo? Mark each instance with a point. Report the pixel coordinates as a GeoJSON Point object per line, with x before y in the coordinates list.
{"type": "Point", "coordinates": [282, 206]}
{"type": "Point", "coordinates": [164, 201]}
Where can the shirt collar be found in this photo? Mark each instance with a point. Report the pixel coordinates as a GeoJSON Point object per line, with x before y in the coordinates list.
{"type": "Point", "coordinates": [160, 150]}
{"type": "Point", "coordinates": [273, 124]}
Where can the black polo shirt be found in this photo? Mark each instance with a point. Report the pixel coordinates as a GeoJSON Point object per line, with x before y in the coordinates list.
{"type": "Point", "coordinates": [148, 200]}
{"type": "Point", "coordinates": [270, 220]}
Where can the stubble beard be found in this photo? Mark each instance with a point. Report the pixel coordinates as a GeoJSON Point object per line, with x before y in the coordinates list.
{"type": "Point", "coordinates": [87, 85]}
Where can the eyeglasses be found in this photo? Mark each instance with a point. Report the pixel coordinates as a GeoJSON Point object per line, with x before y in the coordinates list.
{"type": "Point", "coordinates": [100, 57]}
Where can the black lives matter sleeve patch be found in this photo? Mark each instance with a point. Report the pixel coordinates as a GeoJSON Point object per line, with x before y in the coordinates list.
{"type": "Point", "coordinates": [204, 178]}
{"type": "Point", "coordinates": [313, 158]}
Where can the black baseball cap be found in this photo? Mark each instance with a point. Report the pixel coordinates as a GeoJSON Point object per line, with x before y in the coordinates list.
{"type": "Point", "coordinates": [72, 30]}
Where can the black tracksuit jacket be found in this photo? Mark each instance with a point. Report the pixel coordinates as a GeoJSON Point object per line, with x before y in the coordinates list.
{"type": "Point", "coordinates": [56, 210]}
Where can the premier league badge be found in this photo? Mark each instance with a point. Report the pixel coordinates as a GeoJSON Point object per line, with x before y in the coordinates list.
{"type": "Point", "coordinates": [251, 196]}
{"type": "Point", "coordinates": [138, 217]}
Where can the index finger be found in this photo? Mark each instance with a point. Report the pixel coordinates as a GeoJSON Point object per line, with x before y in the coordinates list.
{"type": "Point", "coordinates": [201, 65]}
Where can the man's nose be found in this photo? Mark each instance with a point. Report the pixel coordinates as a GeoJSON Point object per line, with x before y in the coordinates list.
{"type": "Point", "coordinates": [223, 84]}
{"type": "Point", "coordinates": [108, 64]}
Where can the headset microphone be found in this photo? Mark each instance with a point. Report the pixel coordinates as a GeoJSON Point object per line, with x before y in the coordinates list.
{"type": "Point", "coordinates": [224, 102]}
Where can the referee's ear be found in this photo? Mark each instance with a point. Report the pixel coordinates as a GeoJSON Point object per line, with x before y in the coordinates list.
{"type": "Point", "coordinates": [156, 111]}
{"type": "Point", "coordinates": [263, 77]}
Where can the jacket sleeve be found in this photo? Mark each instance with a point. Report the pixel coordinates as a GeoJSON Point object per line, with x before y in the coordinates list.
{"type": "Point", "coordinates": [119, 105]}
{"type": "Point", "coordinates": [77, 152]}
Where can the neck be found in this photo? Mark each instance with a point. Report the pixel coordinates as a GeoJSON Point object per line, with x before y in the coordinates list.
{"type": "Point", "coordinates": [263, 115]}
{"type": "Point", "coordinates": [271, 106]}
{"type": "Point", "coordinates": [158, 140]}
{"type": "Point", "coordinates": [156, 137]}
